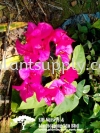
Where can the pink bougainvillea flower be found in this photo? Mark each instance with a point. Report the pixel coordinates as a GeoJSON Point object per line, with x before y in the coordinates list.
{"type": "Point", "coordinates": [37, 48]}
{"type": "Point", "coordinates": [25, 90]}
{"type": "Point", "coordinates": [64, 57]}
{"type": "Point", "coordinates": [69, 75]}
{"type": "Point", "coordinates": [41, 48]}
{"type": "Point", "coordinates": [62, 40]}
{"type": "Point", "coordinates": [39, 90]}
{"type": "Point", "coordinates": [46, 29]}
{"type": "Point", "coordinates": [31, 27]}
{"type": "Point", "coordinates": [34, 73]}
{"type": "Point", "coordinates": [50, 94]}
{"type": "Point", "coordinates": [61, 87]}
{"type": "Point", "coordinates": [53, 93]}
{"type": "Point", "coordinates": [63, 44]}
{"type": "Point", "coordinates": [37, 42]}
{"type": "Point", "coordinates": [40, 31]}
{"type": "Point", "coordinates": [32, 77]}
{"type": "Point", "coordinates": [27, 51]}
{"type": "Point", "coordinates": [44, 50]}
{"type": "Point", "coordinates": [41, 41]}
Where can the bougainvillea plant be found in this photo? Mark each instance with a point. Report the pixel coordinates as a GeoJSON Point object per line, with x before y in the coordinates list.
{"type": "Point", "coordinates": [59, 84]}
{"type": "Point", "coordinates": [49, 75]}
{"type": "Point", "coordinates": [37, 49]}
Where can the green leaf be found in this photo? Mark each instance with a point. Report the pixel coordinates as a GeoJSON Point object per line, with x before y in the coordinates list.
{"type": "Point", "coordinates": [96, 108]}
{"type": "Point", "coordinates": [82, 37]}
{"type": "Point", "coordinates": [32, 103]}
{"type": "Point", "coordinates": [86, 89]}
{"type": "Point", "coordinates": [80, 131]}
{"type": "Point", "coordinates": [2, 7]}
{"type": "Point", "coordinates": [82, 29]}
{"type": "Point", "coordinates": [89, 44]}
{"type": "Point", "coordinates": [96, 97]}
{"type": "Point", "coordinates": [69, 103]}
{"type": "Point", "coordinates": [9, 62]}
{"type": "Point", "coordinates": [50, 108]}
{"type": "Point", "coordinates": [75, 36]}
{"type": "Point", "coordinates": [98, 41]}
{"type": "Point", "coordinates": [93, 31]}
{"type": "Point", "coordinates": [14, 107]}
{"type": "Point", "coordinates": [96, 24]}
{"type": "Point", "coordinates": [12, 123]}
{"type": "Point", "coordinates": [13, 26]}
{"type": "Point", "coordinates": [15, 97]}
{"type": "Point", "coordinates": [97, 71]}
{"type": "Point", "coordinates": [88, 57]}
{"type": "Point", "coordinates": [95, 124]}
{"type": "Point", "coordinates": [74, 83]}
{"type": "Point", "coordinates": [39, 111]}
{"type": "Point", "coordinates": [39, 130]}
{"type": "Point", "coordinates": [78, 60]}
{"type": "Point", "coordinates": [92, 52]}
{"type": "Point", "coordinates": [97, 131]}
{"type": "Point", "coordinates": [88, 25]}
{"type": "Point", "coordinates": [80, 88]}
{"type": "Point", "coordinates": [86, 99]}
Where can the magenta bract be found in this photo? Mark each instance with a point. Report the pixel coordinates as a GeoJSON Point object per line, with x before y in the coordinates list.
{"type": "Point", "coordinates": [37, 49]}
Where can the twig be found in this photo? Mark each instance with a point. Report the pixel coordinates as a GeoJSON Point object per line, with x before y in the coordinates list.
{"type": "Point", "coordinates": [72, 11]}
{"type": "Point", "coordinates": [17, 7]}
{"type": "Point", "coordinates": [42, 10]}
{"type": "Point", "coordinates": [59, 8]}
{"type": "Point", "coordinates": [91, 43]}
{"type": "Point", "coordinates": [28, 10]}
{"type": "Point", "coordinates": [5, 2]}
{"type": "Point", "coordinates": [9, 85]}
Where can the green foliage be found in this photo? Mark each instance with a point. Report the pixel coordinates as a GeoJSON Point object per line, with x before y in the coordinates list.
{"type": "Point", "coordinates": [86, 99]}
{"type": "Point", "coordinates": [86, 89]}
{"type": "Point", "coordinates": [31, 103]}
{"type": "Point", "coordinates": [96, 108]}
{"type": "Point", "coordinates": [14, 107]}
{"type": "Point", "coordinates": [80, 88]}
{"type": "Point", "coordinates": [39, 111]}
{"type": "Point", "coordinates": [12, 123]}
{"type": "Point", "coordinates": [97, 24]}
{"type": "Point", "coordinates": [69, 103]}
{"type": "Point", "coordinates": [95, 124]}
{"type": "Point", "coordinates": [82, 29]}
{"type": "Point", "coordinates": [78, 60]}
{"type": "Point", "coordinates": [97, 97]}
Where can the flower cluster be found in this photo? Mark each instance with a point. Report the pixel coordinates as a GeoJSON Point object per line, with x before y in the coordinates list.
{"type": "Point", "coordinates": [37, 48]}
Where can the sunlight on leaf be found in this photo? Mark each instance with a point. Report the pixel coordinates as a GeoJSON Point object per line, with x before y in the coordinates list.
{"type": "Point", "coordinates": [31, 103]}
{"type": "Point", "coordinates": [11, 61]}
{"type": "Point", "coordinates": [97, 24]}
{"type": "Point", "coordinates": [13, 26]}
{"type": "Point", "coordinates": [69, 103]}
